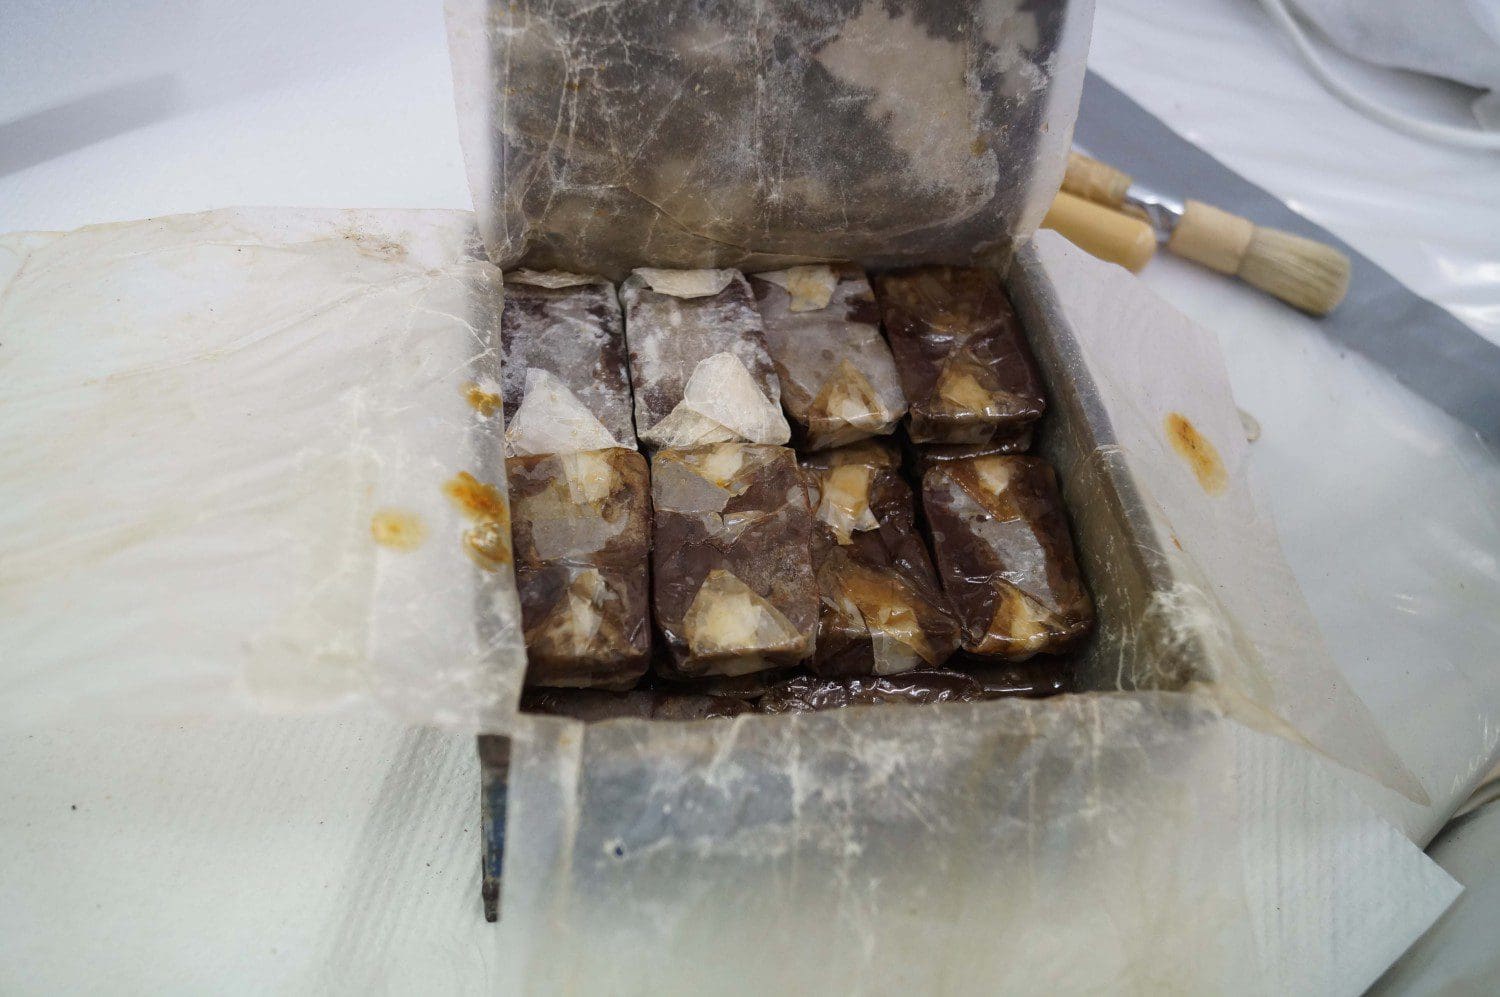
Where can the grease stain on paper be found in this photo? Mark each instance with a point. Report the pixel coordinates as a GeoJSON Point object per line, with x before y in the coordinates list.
{"type": "Point", "coordinates": [397, 529]}
{"type": "Point", "coordinates": [488, 542]}
{"type": "Point", "coordinates": [486, 403]}
{"type": "Point", "coordinates": [1202, 456]}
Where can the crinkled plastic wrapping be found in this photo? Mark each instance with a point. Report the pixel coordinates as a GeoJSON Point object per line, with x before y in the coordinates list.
{"type": "Point", "coordinates": [248, 457]}
{"type": "Point", "coordinates": [600, 135]}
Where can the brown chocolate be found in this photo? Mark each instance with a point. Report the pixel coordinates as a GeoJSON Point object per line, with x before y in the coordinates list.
{"type": "Point", "coordinates": [747, 687]}
{"type": "Point", "coordinates": [698, 362]}
{"type": "Point", "coordinates": [581, 527]}
{"type": "Point", "coordinates": [965, 367]}
{"type": "Point", "coordinates": [838, 381]}
{"type": "Point", "coordinates": [732, 577]}
{"type": "Point", "coordinates": [1005, 555]}
{"type": "Point", "coordinates": [564, 350]}
{"type": "Point", "coordinates": [882, 609]}
{"type": "Point", "coordinates": [920, 458]}
{"type": "Point", "coordinates": [593, 705]}
{"type": "Point", "coordinates": [812, 693]}
{"type": "Point", "coordinates": [877, 452]}
{"type": "Point", "coordinates": [1035, 678]}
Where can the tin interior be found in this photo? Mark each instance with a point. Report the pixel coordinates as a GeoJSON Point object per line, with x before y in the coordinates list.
{"type": "Point", "coordinates": [1115, 537]}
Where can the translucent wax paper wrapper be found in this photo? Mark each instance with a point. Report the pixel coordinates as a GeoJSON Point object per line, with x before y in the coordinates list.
{"type": "Point", "coordinates": [1085, 844]}
{"type": "Point", "coordinates": [838, 380]}
{"type": "Point", "coordinates": [566, 384]}
{"type": "Point", "coordinates": [758, 135]}
{"type": "Point", "coordinates": [250, 457]}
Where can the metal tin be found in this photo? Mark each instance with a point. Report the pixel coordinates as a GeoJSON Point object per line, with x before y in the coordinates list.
{"type": "Point", "coordinates": [1120, 550]}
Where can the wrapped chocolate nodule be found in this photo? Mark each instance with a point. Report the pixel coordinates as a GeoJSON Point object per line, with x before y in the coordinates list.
{"type": "Point", "coordinates": [698, 361]}
{"type": "Point", "coordinates": [581, 524]}
{"type": "Point", "coordinates": [882, 609]}
{"type": "Point", "coordinates": [838, 381]}
{"type": "Point", "coordinates": [732, 578]}
{"type": "Point", "coordinates": [1005, 555]}
{"type": "Point", "coordinates": [965, 366]}
{"type": "Point", "coordinates": [565, 384]}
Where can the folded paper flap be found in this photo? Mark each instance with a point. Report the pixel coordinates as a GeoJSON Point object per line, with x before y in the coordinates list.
{"type": "Point", "coordinates": [288, 491]}
{"type": "Point", "coordinates": [1111, 843]}
{"type": "Point", "coordinates": [1172, 447]}
{"type": "Point", "coordinates": [609, 135]}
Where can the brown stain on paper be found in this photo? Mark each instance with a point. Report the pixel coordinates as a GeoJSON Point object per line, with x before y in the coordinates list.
{"type": "Point", "coordinates": [1201, 455]}
{"type": "Point", "coordinates": [488, 541]}
{"type": "Point", "coordinates": [486, 403]}
{"type": "Point", "coordinates": [398, 529]}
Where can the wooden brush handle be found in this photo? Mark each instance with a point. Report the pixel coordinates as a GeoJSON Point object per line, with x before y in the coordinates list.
{"type": "Point", "coordinates": [1212, 237]}
{"type": "Point", "coordinates": [1095, 181]}
{"type": "Point", "coordinates": [1098, 231]}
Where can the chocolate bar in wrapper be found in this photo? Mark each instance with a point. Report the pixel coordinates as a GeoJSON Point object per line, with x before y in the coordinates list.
{"type": "Point", "coordinates": [698, 360]}
{"type": "Point", "coordinates": [966, 369]}
{"type": "Point", "coordinates": [565, 385]}
{"type": "Point", "coordinates": [838, 381]}
{"type": "Point", "coordinates": [1005, 555]}
{"type": "Point", "coordinates": [581, 526]}
{"type": "Point", "coordinates": [732, 577]}
{"type": "Point", "coordinates": [883, 611]}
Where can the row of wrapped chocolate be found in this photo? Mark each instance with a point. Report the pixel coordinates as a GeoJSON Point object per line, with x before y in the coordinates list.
{"type": "Point", "coordinates": [783, 579]}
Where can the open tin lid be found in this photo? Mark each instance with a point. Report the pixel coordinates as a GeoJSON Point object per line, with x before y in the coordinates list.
{"type": "Point", "coordinates": [604, 136]}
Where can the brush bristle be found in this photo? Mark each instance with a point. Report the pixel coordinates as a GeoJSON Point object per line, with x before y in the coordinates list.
{"type": "Point", "coordinates": [1305, 274]}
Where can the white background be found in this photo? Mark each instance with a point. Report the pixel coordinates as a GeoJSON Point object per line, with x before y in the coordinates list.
{"type": "Point", "coordinates": [275, 853]}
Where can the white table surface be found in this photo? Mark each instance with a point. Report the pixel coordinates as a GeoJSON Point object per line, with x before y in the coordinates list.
{"type": "Point", "coordinates": [306, 855]}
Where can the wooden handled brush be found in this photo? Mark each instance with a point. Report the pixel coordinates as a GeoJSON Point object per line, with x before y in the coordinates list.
{"type": "Point", "coordinates": [1110, 235]}
{"type": "Point", "coordinates": [1304, 273]}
